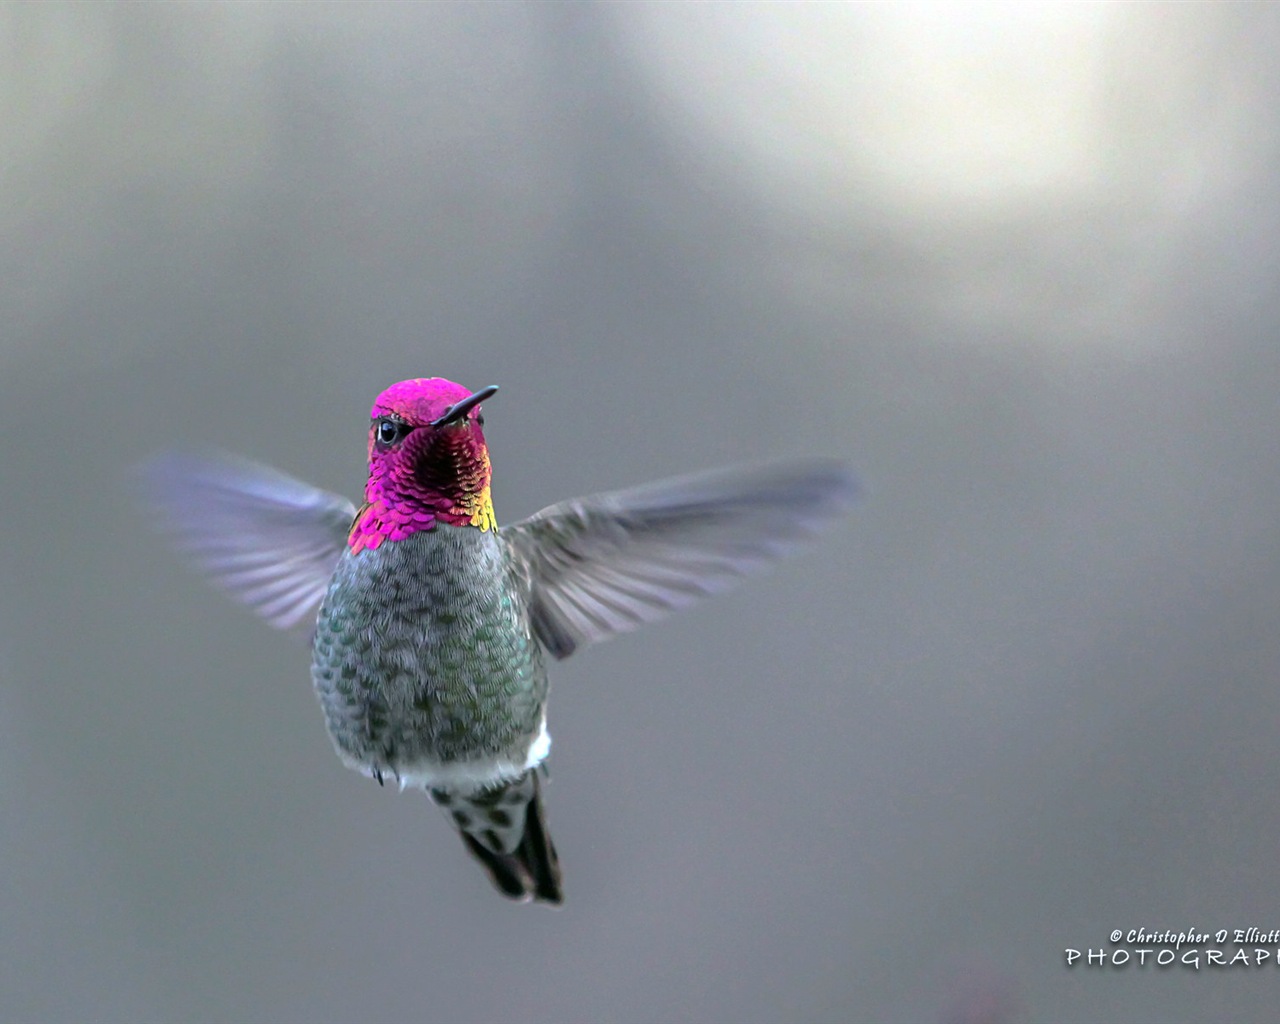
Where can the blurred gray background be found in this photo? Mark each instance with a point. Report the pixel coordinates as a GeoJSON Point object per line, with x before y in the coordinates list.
{"type": "Point", "coordinates": [1018, 264]}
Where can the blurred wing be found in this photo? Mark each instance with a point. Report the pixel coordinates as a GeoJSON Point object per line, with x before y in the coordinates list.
{"type": "Point", "coordinates": [609, 563]}
{"type": "Point", "coordinates": [269, 540]}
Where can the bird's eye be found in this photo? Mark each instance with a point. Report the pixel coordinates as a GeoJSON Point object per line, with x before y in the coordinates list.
{"type": "Point", "coordinates": [480, 418]}
{"type": "Point", "coordinates": [389, 431]}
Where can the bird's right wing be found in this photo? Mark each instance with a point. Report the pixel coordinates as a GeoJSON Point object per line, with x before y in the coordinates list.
{"type": "Point", "coordinates": [268, 539]}
{"type": "Point", "coordinates": [609, 563]}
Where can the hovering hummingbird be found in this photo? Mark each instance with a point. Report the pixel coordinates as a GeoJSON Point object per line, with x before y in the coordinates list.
{"type": "Point", "coordinates": [430, 628]}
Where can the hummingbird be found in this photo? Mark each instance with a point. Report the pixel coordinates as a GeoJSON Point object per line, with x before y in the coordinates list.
{"type": "Point", "coordinates": [431, 629]}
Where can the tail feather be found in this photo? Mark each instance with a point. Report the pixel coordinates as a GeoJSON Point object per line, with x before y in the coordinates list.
{"type": "Point", "coordinates": [505, 829]}
{"type": "Point", "coordinates": [506, 873]}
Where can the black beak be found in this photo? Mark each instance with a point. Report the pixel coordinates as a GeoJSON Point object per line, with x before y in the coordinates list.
{"type": "Point", "coordinates": [456, 411]}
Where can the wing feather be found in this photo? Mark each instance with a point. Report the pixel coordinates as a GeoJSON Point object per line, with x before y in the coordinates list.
{"type": "Point", "coordinates": [609, 563]}
{"type": "Point", "coordinates": [268, 539]}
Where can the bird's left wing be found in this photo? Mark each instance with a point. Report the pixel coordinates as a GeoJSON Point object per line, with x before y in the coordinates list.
{"type": "Point", "coordinates": [268, 539]}
{"type": "Point", "coordinates": [609, 563]}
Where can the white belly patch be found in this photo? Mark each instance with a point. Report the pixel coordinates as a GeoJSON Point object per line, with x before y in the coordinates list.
{"type": "Point", "coordinates": [466, 775]}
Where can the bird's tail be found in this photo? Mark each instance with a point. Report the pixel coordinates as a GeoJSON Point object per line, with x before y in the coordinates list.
{"type": "Point", "coordinates": [505, 829]}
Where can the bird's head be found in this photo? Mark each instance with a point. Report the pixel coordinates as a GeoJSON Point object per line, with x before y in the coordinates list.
{"type": "Point", "coordinates": [428, 462]}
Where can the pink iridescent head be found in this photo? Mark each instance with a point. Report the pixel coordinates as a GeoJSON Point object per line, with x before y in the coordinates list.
{"type": "Point", "coordinates": [428, 462]}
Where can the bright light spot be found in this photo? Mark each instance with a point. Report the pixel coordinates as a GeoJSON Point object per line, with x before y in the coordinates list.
{"type": "Point", "coordinates": [921, 105]}
{"type": "Point", "coordinates": [990, 103]}
{"type": "Point", "coordinates": [1025, 170]}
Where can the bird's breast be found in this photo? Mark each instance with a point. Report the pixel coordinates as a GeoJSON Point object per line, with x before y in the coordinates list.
{"type": "Point", "coordinates": [424, 661]}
